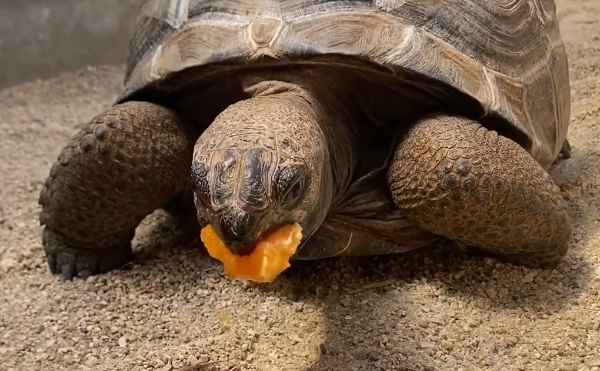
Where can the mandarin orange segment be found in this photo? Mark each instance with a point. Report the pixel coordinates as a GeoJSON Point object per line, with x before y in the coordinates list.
{"type": "Point", "coordinates": [270, 257]}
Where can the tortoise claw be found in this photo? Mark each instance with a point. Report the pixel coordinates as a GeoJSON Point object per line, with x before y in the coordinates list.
{"type": "Point", "coordinates": [565, 150]}
{"type": "Point", "coordinates": [69, 262]}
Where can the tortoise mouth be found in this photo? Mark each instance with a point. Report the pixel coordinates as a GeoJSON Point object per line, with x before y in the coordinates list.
{"type": "Point", "coordinates": [241, 231]}
{"type": "Point", "coordinates": [247, 248]}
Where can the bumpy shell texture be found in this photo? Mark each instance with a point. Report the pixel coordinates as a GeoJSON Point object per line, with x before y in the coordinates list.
{"type": "Point", "coordinates": [506, 54]}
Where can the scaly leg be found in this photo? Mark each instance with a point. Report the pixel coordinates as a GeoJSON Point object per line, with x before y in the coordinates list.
{"type": "Point", "coordinates": [453, 177]}
{"type": "Point", "coordinates": [127, 162]}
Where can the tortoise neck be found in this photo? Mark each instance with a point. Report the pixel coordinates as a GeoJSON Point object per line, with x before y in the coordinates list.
{"type": "Point", "coordinates": [329, 112]}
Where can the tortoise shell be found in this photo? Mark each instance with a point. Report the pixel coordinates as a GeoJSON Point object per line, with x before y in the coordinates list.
{"type": "Point", "coordinates": [507, 55]}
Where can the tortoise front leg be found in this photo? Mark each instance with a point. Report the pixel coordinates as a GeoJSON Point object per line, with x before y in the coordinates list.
{"type": "Point", "coordinates": [453, 177]}
{"type": "Point", "coordinates": [127, 162]}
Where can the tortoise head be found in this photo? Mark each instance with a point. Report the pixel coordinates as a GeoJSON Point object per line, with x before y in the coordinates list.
{"type": "Point", "coordinates": [262, 162]}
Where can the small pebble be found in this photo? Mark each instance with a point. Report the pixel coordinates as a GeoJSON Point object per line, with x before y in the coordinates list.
{"type": "Point", "coordinates": [91, 362]}
{"type": "Point", "coordinates": [422, 322]}
{"type": "Point", "coordinates": [295, 338]}
{"type": "Point", "coordinates": [426, 345]}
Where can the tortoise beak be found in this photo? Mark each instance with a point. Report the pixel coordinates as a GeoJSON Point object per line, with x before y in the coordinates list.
{"type": "Point", "coordinates": [239, 231]}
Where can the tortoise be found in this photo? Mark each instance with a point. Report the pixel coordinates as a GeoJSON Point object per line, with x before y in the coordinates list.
{"type": "Point", "coordinates": [379, 126]}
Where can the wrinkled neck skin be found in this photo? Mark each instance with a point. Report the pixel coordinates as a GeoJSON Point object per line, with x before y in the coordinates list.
{"type": "Point", "coordinates": [271, 159]}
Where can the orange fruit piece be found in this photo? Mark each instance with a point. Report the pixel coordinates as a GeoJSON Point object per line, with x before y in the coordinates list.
{"type": "Point", "coordinates": [270, 257]}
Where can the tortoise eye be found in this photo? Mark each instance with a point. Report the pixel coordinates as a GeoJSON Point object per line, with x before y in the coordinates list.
{"type": "Point", "coordinates": [294, 192]}
{"type": "Point", "coordinates": [291, 184]}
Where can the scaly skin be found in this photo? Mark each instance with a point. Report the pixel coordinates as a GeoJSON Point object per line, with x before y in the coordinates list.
{"type": "Point", "coordinates": [453, 177]}
{"type": "Point", "coordinates": [127, 162]}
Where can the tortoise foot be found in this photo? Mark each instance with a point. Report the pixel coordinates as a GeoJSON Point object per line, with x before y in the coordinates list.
{"type": "Point", "coordinates": [70, 262]}
{"type": "Point", "coordinates": [453, 177]}
{"type": "Point", "coordinates": [128, 161]}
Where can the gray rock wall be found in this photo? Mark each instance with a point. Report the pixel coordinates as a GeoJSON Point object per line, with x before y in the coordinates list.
{"type": "Point", "coordinates": [41, 38]}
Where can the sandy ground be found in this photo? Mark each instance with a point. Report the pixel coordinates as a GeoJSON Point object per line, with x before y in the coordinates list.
{"type": "Point", "coordinates": [422, 311]}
